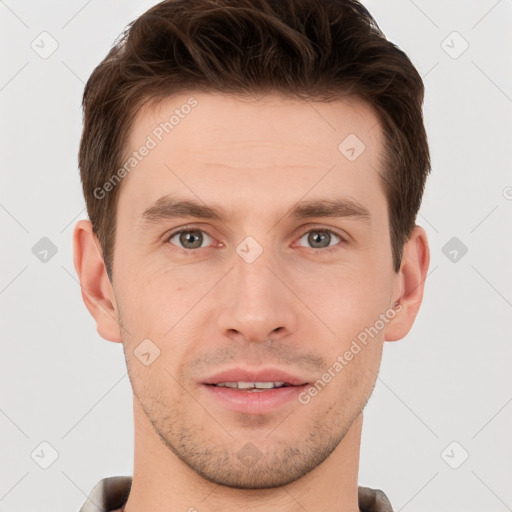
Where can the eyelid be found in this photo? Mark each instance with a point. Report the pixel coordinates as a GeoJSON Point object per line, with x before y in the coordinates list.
{"type": "Point", "coordinates": [185, 227]}
{"type": "Point", "coordinates": [328, 229]}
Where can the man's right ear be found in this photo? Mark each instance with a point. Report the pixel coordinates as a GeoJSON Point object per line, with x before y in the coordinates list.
{"type": "Point", "coordinates": [97, 292]}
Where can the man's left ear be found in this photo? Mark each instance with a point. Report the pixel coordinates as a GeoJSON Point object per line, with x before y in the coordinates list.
{"type": "Point", "coordinates": [412, 275]}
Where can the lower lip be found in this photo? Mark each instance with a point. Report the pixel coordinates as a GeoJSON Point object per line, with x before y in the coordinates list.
{"type": "Point", "coordinates": [254, 402]}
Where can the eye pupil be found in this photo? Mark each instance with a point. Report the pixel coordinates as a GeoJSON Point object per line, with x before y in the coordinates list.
{"type": "Point", "coordinates": [318, 237]}
{"type": "Point", "coordinates": [186, 237]}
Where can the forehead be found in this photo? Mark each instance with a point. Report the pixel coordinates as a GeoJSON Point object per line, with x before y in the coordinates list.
{"type": "Point", "coordinates": [274, 147]}
{"type": "Point", "coordinates": [209, 121]}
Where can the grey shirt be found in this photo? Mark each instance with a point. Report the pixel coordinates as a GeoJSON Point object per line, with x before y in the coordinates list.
{"type": "Point", "coordinates": [110, 495]}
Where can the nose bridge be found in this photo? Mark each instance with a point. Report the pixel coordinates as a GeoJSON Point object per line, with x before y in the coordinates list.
{"type": "Point", "coordinates": [253, 279]}
{"type": "Point", "coordinates": [259, 305]}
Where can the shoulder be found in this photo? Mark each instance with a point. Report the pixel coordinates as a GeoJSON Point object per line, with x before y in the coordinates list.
{"type": "Point", "coordinates": [373, 500]}
{"type": "Point", "coordinates": [108, 494]}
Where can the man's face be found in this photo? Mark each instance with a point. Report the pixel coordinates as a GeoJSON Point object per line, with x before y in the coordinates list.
{"type": "Point", "coordinates": [262, 288]}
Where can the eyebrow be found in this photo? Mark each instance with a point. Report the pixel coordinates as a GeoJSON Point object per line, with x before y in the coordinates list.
{"type": "Point", "coordinates": [331, 208]}
{"type": "Point", "coordinates": [168, 207]}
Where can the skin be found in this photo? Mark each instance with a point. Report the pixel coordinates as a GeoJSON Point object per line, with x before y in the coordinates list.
{"type": "Point", "coordinates": [296, 307]}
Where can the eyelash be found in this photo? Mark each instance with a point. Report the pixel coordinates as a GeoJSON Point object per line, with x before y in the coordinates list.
{"type": "Point", "coordinates": [343, 240]}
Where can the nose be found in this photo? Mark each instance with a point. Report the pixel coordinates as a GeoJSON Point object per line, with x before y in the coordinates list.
{"type": "Point", "coordinates": [256, 302]}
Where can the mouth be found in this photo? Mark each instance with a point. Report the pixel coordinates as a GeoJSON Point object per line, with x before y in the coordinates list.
{"type": "Point", "coordinates": [267, 378]}
{"type": "Point", "coordinates": [253, 392]}
{"type": "Point", "coordinates": [251, 387]}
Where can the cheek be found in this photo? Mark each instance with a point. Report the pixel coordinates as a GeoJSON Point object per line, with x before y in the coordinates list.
{"type": "Point", "coordinates": [157, 306]}
{"type": "Point", "coordinates": [143, 285]}
{"type": "Point", "coordinates": [346, 298]}
{"type": "Point", "coordinates": [357, 311]}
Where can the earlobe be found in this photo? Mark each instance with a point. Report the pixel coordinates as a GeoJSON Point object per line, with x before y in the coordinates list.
{"type": "Point", "coordinates": [97, 291]}
{"type": "Point", "coordinates": [412, 275]}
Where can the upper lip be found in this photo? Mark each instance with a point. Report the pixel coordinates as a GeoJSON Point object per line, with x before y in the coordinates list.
{"type": "Point", "coordinates": [261, 375]}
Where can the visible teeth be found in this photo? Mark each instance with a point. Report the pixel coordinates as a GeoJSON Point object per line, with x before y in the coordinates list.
{"type": "Point", "coordinates": [251, 385]}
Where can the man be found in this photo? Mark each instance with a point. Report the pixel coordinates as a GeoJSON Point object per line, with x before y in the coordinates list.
{"type": "Point", "coordinates": [252, 171]}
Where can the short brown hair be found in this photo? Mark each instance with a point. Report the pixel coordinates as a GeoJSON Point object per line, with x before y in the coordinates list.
{"type": "Point", "coordinates": [319, 50]}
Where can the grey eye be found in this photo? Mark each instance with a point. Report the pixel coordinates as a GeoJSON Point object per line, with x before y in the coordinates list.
{"type": "Point", "coordinates": [191, 239]}
{"type": "Point", "coordinates": [320, 238]}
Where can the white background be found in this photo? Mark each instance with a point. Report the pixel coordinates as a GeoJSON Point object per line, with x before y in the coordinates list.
{"type": "Point", "coordinates": [449, 380]}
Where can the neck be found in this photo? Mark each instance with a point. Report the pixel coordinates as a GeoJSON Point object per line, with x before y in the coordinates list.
{"type": "Point", "coordinates": [162, 482]}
